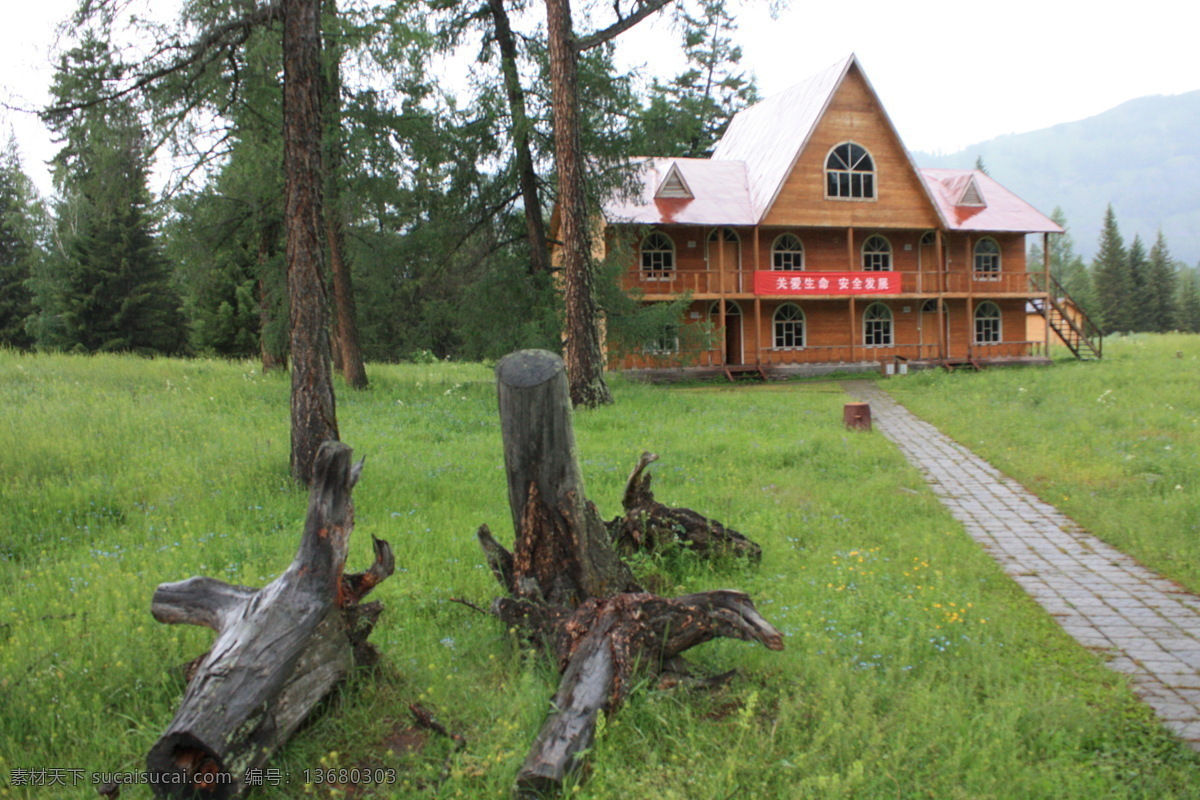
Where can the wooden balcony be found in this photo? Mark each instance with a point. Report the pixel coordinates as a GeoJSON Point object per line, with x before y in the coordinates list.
{"type": "Point", "coordinates": [704, 284]}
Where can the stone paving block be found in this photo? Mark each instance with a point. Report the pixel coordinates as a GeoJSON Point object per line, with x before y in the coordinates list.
{"type": "Point", "coordinates": [1099, 595]}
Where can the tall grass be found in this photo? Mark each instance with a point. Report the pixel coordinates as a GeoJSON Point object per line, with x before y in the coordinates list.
{"type": "Point", "coordinates": [913, 668]}
{"type": "Point", "coordinates": [1115, 444]}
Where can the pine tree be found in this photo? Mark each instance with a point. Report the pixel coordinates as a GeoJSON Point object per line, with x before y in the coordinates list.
{"type": "Point", "coordinates": [1162, 276]}
{"type": "Point", "coordinates": [1114, 286]}
{"type": "Point", "coordinates": [22, 220]}
{"type": "Point", "coordinates": [686, 117]}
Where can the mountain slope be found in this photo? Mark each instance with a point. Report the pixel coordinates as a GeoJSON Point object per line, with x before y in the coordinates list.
{"type": "Point", "coordinates": [1142, 156]}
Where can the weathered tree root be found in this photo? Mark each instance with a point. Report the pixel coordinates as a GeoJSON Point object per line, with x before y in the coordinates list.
{"type": "Point", "coordinates": [279, 650]}
{"type": "Point", "coordinates": [650, 525]}
{"type": "Point", "coordinates": [567, 587]}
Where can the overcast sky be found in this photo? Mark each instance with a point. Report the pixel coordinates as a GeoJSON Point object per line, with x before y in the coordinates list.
{"type": "Point", "coordinates": [949, 72]}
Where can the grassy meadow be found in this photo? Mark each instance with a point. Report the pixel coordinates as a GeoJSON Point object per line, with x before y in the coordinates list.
{"type": "Point", "coordinates": [913, 667]}
{"type": "Point", "coordinates": [1115, 445]}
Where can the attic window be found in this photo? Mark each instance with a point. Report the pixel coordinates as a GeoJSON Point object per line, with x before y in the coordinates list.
{"type": "Point", "coordinates": [850, 173]}
{"type": "Point", "coordinates": [673, 186]}
{"type": "Point", "coordinates": [971, 196]}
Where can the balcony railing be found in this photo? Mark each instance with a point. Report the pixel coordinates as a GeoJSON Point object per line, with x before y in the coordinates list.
{"type": "Point", "coordinates": [711, 282]}
{"type": "Point", "coordinates": [833, 354]}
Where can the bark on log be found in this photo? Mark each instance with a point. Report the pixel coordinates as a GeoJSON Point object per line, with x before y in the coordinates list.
{"type": "Point", "coordinates": [650, 525]}
{"type": "Point", "coordinates": [279, 650]}
{"type": "Point", "coordinates": [568, 587]}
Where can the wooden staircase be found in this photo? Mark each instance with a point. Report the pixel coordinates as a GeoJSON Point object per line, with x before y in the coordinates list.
{"type": "Point", "coordinates": [1076, 330]}
{"type": "Point", "coordinates": [735, 371]}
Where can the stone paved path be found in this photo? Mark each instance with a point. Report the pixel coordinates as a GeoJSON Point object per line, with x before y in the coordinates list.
{"type": "Point", "coordinates": [1100, 596]}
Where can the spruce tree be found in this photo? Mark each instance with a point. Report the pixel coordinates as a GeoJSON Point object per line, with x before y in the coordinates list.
{"type": "Point", "coordinates": [21, 222]}
{"type": "Point", "coordinates": [1188, 314]}
{"type": "Point", "coordinates": [1162, 277]}
{"type": "Point", "coordinates": [1140, 310]}
{"type": "Point", "coordinates": [107, 286]}
{"type": "Point", "coordinates": [1114, 286]}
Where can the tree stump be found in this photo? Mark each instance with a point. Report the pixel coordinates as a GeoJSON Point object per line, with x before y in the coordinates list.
{"type": "Point", "coordinates": [568, 587]}
{"type": "Point", "coordinates": [279, 650]}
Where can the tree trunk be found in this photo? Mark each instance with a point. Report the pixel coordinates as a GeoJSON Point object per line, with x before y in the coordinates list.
{"type": "Point", "coordinates": [535, 225]}
{"type": "Point", "coordinates": [347, 346]}
{"type": "Point", "coordinates": [279, 650]}
{"type": "Point", "coordinates": [583, 347]}
{"type": "Point", "coordinates": [566, 585]}
{"type": "Point", "coordinates": [313, 411]}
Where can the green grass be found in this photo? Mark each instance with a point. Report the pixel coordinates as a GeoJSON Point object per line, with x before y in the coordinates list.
{"type": "Point", "coordinates": [913, 667]}
{"type": "Point", "coordinates": [1114, 444]}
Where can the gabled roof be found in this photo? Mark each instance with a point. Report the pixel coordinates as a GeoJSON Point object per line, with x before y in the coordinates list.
{"type": "Point", "coordinates": [1001, 210]}
{"type": "Point", "coordinates": [719, 194]}
{"type": "Point", "coordinates": [758, 152]}
{"type": "Point", "coordinates": [769, 135]}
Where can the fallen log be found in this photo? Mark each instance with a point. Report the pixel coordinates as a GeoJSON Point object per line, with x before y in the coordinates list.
{"type": "Point", "coordinates": [279, 650]}
{"type": "Point", "coordinates": [650, 525]}
{"type": "Point", "coordinates": [567, 586]}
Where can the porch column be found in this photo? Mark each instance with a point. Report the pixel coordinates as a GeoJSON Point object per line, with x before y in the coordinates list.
{"type": "Point", "coordinates": [1049, 293]}
{"type": "Point", "coordinates": [757, 304]}
{"type": "Point", "coordinates": [941, 328]}
{"type": "Point", "coordinates": [970, 327]}
{"type": "Point", "coordinates": [853, 329]}
{"type": "Point", "coordinates": [850, 250]}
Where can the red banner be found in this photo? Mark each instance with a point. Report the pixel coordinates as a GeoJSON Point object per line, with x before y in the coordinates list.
{"type": "Point", "coordinates": [774, 282]}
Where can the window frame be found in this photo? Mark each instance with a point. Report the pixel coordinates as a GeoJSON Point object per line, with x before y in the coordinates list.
{"type": "Point", "coordinates": [872, 328]}
{"type": "Point", "coordinates": [666, 270]}
{"type": "Point", "coordinates": [787, 328]}
{"type": "Point", "coordinates": [887, 251]}
{"type": "Point", "coordinates": [986, 266]}
{"type": "Point", "coordinates": [663, 343]}
{"type": "Point", "coordinates": [847, 179]}
{"type": "Point", "coordinates": [777, 252]}
{"type": "Point", "coordinates": [994, 323]}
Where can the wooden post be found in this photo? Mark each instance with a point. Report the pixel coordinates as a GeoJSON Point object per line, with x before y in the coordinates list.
{"type": "Point", "coordinates": [279, 650]}
{"type": "Point", "coordinates": [853, 331]}
{"type": "Point", "coordinates": [1049, 293]}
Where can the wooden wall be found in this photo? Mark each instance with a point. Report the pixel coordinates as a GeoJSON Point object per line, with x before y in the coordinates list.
{"type": "Point", "coordinates": [854, 114]}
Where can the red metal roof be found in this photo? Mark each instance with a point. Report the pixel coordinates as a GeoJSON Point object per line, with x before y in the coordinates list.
{"type": "Point", "coordinates": [719, 190]}
{"type": "Point", "coordinates": [1003, 212]}
{"type": "Point", "coordinates": [758, 151]}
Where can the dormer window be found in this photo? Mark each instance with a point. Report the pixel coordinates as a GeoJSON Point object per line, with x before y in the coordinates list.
{"type": "Point", "coordinates": [849, 173]}
{"type": "Point", "coordinates": [658, 257]}
{"type": "Point", "coordinates": [673, 186]}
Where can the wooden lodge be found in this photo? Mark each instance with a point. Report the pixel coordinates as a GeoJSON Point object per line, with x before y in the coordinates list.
{"type": "Point", "coordinates": [810, 240]}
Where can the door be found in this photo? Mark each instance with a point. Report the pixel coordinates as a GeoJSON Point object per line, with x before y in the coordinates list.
{"type": "Point", "coordinates": [733, 334]}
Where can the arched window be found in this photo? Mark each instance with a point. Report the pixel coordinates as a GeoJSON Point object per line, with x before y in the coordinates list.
{"type": "Point", "coordinates": [850, 172]}
{"type": "Point", "coordinates": [987, 323]}
{"type": "Point", "coordinates": [787, 253]}
{"type": "Point", "coordinates": [658, 257]}
{"type": "Point", "coordinates": [877, 326]}
{"type": "Point", "coordinates": [877, 254]}
{"type": "Point", "coordinates": [987, 260]}
{"type": "Point", "coordinates": [789, 327]}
